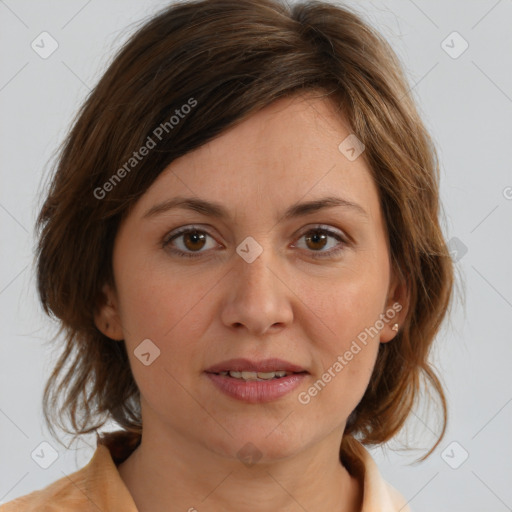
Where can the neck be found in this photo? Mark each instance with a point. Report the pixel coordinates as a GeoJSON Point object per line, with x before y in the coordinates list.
{"type": "Point", "coordinates": [168, 469]}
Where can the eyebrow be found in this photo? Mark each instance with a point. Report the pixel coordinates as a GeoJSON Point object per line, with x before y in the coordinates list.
{"type": "Point", "coordinates": [217, 210]}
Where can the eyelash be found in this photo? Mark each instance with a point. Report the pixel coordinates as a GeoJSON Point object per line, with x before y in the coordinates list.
{"type": "Point", "coordinates": [315, 254]}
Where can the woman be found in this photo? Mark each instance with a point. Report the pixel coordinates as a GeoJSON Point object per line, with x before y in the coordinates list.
{"type": "Point", "coordinates": [241, 242]}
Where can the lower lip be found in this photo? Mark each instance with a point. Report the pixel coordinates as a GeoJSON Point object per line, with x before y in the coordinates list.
{"type": "Point", "coordinates": [257, 391]}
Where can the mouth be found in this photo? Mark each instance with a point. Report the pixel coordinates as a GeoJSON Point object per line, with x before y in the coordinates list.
{"type": "Point", "coordinates": [256, 381]}
{"type": "Point", "coordinates": [256, 376]}
{"type": "Point", "coordinates": [245, 369]}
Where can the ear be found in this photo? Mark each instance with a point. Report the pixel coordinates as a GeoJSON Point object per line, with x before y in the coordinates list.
{"type": "Point", "coordinates": [106, 317]}
{"type": "Point", "coordinates": [396, 308]}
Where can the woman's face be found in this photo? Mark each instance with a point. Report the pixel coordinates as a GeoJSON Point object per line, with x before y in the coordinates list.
{"type": "Point", "coordinates": [256, 284]}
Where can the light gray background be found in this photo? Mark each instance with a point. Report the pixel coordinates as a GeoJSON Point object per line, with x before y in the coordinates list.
{"type": "Point", "coordinates": [467, 105]}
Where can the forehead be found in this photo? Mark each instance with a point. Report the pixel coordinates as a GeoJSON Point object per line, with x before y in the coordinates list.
{"type": "Point", "coordinates": [287, 151]}
{"type": "Point", "coordinates": [290, 134]}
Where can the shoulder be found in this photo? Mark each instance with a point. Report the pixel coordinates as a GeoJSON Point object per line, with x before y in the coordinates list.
{"type": "Point", "coordinates": [63, 494]}
{"type": "Point", "coordinates": [97, 486]}
{"type": "Point", "coordinates": [377, 493]}
{"type": "Point", "coordinates": [396, 499]}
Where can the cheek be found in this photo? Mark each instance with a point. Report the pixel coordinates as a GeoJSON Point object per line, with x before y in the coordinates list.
{"type": "Point", "coordinates": [346, 305]}
{"type": "Point", "coordinates": [344, 328]}
{"type": "Point", "coordinates": [167, 312]}
{"type": "Point", "coordinates": [173, 312]}
{"type": "Point", "coordinates": [345, 355]}
{"type": "Point", "coordinates": [154, 303]}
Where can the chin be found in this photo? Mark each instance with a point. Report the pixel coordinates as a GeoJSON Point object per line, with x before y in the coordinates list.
{"type": "Point", "coordinates": [264, 444]}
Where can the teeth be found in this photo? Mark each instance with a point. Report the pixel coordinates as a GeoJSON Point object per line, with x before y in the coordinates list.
{"type": "Point", "coordinates": [255, 375]}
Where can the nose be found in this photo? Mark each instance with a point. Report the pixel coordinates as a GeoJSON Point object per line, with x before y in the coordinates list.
{"type": "Point", "coordinates": [258, 297]}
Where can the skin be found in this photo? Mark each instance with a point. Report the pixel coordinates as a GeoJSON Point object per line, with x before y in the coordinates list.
{"type": "Point", "coordinates": [285, 304]}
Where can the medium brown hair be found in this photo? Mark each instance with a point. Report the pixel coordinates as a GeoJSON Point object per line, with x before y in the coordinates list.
{"type": "Point", "coordinates": [232, 58]}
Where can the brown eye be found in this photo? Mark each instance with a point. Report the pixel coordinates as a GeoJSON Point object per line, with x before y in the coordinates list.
{"type": "Point", "coordinates": [194, 240]}
{"type": "Point", "coordinates": [317, 239]}
{"type": "Point", "coordinates": [188, 242]}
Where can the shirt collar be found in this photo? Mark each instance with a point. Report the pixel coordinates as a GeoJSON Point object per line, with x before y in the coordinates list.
{"type": "Point", "coordinates": [112, 494]}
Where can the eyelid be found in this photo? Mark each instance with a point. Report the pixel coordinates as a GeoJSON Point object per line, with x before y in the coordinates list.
{"type": "Point", "coordinates": [324, 227]}
{"type": "Point", "coordinates": [343, 239]}
{"type": "Point", "coordinates": [185, 229]}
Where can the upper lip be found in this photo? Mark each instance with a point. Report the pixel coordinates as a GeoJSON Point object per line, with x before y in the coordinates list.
{"type": "Point", "coordinates": [246, 365]}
